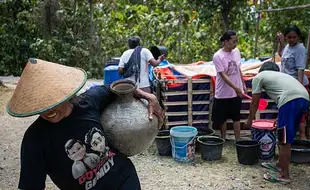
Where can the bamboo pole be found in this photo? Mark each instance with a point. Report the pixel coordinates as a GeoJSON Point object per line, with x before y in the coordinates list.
{"type": "Point", "coordinates": [180, 36]}
{"type": "Point", "coordinates": [257, 30]}
{"type": "Point", "coordinates": [286, 8]}
{"type": "Point", "coordinates": [190, 101]}
{"type": "Point", "coordinates": [256, 34]}
{"type": "Point", "coordinates": [308, 50]}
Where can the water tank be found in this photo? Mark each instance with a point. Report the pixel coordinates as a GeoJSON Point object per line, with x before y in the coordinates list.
{"type": "Point", "coordinates": [110, 72]}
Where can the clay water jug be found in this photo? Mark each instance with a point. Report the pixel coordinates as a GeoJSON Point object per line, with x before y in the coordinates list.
{"type": "Point", "coordinates": [125, 121]}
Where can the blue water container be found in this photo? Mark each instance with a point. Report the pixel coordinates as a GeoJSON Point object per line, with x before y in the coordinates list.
{"type": "Point", "coordinates": [111, 74]}
{"type": "Point", "coordinates": [182, 139]}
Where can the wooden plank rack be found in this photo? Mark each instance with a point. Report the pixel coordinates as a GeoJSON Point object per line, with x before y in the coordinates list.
{"type": "Point", "coordinates": [188, 101]}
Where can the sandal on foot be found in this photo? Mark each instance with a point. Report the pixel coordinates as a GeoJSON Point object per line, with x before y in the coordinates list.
{"type": "Point", "coordinates": [273, 178]}
{"type": "Point", "coordinates": [270, 166]}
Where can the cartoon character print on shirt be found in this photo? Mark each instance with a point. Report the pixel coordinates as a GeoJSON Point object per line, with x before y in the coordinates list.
{"type": "Point", "coordinates": [97, 142]}
{"type": "Point", "coordinates": [288, 63]}
{"type": "Point", "coordinates": [83, 161]}
{"type": "Point", "coordinates": [232, 67]}
{"type": "Point", "coordinates": [87, 167]}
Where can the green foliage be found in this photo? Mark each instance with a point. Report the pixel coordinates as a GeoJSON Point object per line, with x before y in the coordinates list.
{"type": "Point", "coordinates": [61, 30]}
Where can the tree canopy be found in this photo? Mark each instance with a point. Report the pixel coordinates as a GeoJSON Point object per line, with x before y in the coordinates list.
{"type": "Point", "coordinates": [87, 34]}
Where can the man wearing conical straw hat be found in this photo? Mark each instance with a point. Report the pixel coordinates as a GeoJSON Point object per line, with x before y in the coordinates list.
{"type": "Point", "coordinates": [56, 144]}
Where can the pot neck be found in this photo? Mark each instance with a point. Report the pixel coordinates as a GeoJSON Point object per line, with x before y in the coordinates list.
{"type": "Point", "coordinates": [124, 90]}
{"type": "Point", "coordinates": [124, 97]}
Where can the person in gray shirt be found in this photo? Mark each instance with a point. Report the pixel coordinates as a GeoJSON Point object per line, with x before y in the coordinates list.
{"type": "Point", "coordinates": [292, 100]}
{"type": "Point", "coordinates": [293, 60]}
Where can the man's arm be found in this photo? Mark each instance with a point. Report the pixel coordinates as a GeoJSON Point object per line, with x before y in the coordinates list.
{"type": "Point", "coordinates": [153, 107]}
{"type": "Point", "coordinates": [256, 91]}
{"type": "Point", "coordinates": [155, 62]}
{"type": "Point", "coordinates": [243, 83]}
{"type": "Point", "coordinates": [32, 173]}
{"type": "Point", "coordinates": [121, 70]}
{"type": "Point", "coordinates": [148, 56]}
{"type": "Point", "coordinates": [121, 64]}
{"type": "Point", "coordinates": [253, 108]}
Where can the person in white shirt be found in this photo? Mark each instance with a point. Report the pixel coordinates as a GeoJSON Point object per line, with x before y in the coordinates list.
{"type": "Point", "coordinates": [130, 67]}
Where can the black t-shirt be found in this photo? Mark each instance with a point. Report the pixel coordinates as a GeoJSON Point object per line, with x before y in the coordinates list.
{"type": "Point", "coordinates": [73, 152]}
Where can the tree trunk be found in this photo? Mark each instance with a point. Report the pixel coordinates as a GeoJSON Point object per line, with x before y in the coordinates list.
{"type": "Point", "coordinates": [50, 20]}
{"type": "Point", "coordinates": [74, 19]}
{"type": "Point", "coordinates": [226, 8]}
{"type": "Point", "coordinates": [91, 39]}
{"type": "Point", "coordinates": [180, 36]}
{"type": "Point", "coordinates": [91, 7]}
{"type": "Point", "coordinates": [225, 21]}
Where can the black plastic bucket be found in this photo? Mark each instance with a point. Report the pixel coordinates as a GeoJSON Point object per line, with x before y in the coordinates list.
{"type": "Point", "coordinates": [203, 131]}
{"type": "Point", "coordinates": [211, 147]}
{"type": "Point", "coordinates": [300, 151]}
{"type": "Point", "coordinates": [163, 143]}
{"type": "Point", "coordinates": [264, 58]}
{"type": "Point", "coordinates": [158, 51]}
{"type": "Point", "coordinates": [248, 151]}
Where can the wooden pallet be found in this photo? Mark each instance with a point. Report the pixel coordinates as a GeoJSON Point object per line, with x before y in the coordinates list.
{"type": "Point", "coordinates": [187, 116]}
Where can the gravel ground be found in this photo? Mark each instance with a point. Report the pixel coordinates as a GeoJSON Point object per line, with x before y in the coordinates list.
{"type": "Point", "coordinates": [155, 172]}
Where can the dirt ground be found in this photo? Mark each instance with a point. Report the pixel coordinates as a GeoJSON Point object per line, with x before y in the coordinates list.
{"type": "Point", "coordinates": [155, 172]}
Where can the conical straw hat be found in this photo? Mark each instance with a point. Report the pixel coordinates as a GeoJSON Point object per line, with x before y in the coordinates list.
{"type": "Point", "coordinates": [44, 85]}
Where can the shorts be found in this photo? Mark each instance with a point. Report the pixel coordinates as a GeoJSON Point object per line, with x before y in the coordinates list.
{"type": "Point", "coordinates": [289, 117]}
{"type": "Point", "coordinates": [227, 108]}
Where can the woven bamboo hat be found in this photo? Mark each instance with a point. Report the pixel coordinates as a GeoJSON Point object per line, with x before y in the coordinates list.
{"type": "Point", "coordinates": [44, 85]}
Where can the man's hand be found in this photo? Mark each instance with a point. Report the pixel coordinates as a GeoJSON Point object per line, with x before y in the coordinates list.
{"type": "Point", "coordinates": [248, 123]}
{"type": "Point", "coordinates": [239, 92]}
{"type": "Point", "coordinates": [162, 57]}
{"type": "Point", "coordinates": [245, 89]}
{"type": "Point", "coordinates": [153, 106]}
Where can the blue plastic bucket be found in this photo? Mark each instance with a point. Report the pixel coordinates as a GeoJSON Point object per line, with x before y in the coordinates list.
{"type": "Point", "coordinates": [263, 132]}
{"type": "Point", "coordinates": [111, 74]}
{"type": "Point", "coordinates": [183, 139]}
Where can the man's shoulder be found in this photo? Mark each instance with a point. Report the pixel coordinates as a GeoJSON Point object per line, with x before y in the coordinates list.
{"type": "Point", "coordinates": [236, 51]}
{"type": "Point", "coordinates": [261, 75]}
{"type": "Point", "coordinates": [127, 52]}
{"type": "Point", "coordinates": [36, 129]}
{"type": "Point", "coordinates": [273, 76]}
{"type": "Point", "coordinates": [145, 50]}
{"type": "Point", "coordinates": [100, 90]}
{"type": "Point", "coordinates": [93, 97]}
{"type": "Point", "coordinates": [218, 55]}
{"type": "Point", "coordinates": [268, 73]}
